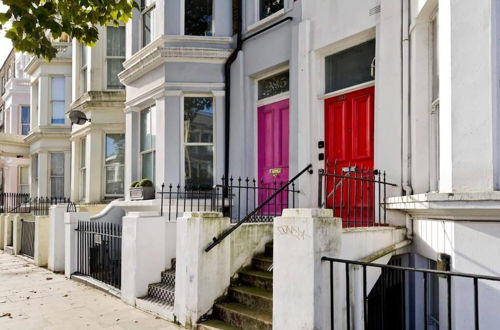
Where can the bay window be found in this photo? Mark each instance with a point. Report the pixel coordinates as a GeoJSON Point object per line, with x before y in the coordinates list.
{"type": "Point", "coordinates": [57, 174]}
{"type": "Point", "coordinates": [25, 119]}
{"type": "Point", "coordinates": [147, 21]}
{"type": "Point", "coordinates": [115, 55]}
{"type": "Point", "coordinates": [198, 141]}
{"type": "Point", "coordinates": [58, 99]}
{"type": "Point", "coordinates": [114, 163]}
{"type": "Point", "coordinates": [198, 17]}
{"type": "Point", "coordinates": [148, 142]}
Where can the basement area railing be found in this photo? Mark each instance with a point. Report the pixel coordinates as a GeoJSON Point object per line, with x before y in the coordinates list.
{"type": "Point", "coordinates": [270, 207]}
{"type": "Point", "coordinates": [355, 194]}
{"type": "Point", "coordinates": [234, 197]}
{"type": "Point", "coordinates": [383, 306]}
{"type": "Point", "coordinates": [23, 203]}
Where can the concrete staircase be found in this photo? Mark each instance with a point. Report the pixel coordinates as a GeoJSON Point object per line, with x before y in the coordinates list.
{"type": "Point", "coordinates": [160, 297]}
{"type": "Point", "coordinates": [249, 303]}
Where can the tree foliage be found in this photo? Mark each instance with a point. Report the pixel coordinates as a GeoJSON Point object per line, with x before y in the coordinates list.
{"type": "Point", "coordinates": [35, 24]}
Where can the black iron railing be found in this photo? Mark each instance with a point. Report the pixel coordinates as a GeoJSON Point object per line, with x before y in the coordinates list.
{"type": "Point", "coordinates": [391, 275]}
{"type": "Point", "coordinates": [99, 251]}
{"type": "Point", "coordinates": [262, 209]}
{"type": "Point", "coordinates": [28, 238]}
{"type": "Point", "coordinates": [234, 197]}
{"type": "Point", "coordinates": [355, 194]}
{"type": "Point", "coordinates": [13, 202]}
{"type": "Point", "coordinates": [23, 203]}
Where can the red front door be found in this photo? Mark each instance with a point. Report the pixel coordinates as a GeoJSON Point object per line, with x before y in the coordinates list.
{"type": "Point", "coordinates": [273, 134]}
{"type": "Point", "coordinates": [349, 156]}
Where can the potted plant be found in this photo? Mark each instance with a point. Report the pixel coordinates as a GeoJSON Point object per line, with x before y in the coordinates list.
{"type": "Point", "coordinates": [142, 190]}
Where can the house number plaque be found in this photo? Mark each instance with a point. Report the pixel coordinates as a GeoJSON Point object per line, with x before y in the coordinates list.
{"type": "Point", "coordinates": [275, 171]}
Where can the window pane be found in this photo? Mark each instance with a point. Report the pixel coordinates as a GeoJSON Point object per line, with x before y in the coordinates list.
{"type": "Point", "coordinates": [83, 152]}
{"type": "Point", "coordinates": [148, 129]}
{"type": "Point", "coordinates": [198, 119]}
{"type": "Point", "coordinates": [273, 85]}
{"type": "Point", "coordinates": [198, 17]}
{"type": "Point", "coordinates": [83, 55]}
{"type": "Point", "coordinates": [58, 88]}
{"type": "Point", "coordinates": [57, 164]}
{"type": "Point", "coordinates": [83, 183]}
{"type": "Point", "coordinates": [269, 7]}
{"type": "Point", "coordinates": [25, 120]}
{"type": "Point", "coordinates": [114, 179]}
{"type": "Point", "coordinates": [435, 59]}
{"type": "Point", "coordinates": [24, 175]}
{"type": "Point", "coordinates": [349, 67]}
{"type": "Point", "coordinates": [57, 174]}
{"type": "Point", "coordinates": [146, 27]}
{"type": "Point", "coordinates": [34, 167]}
{"type": "Point", "coordinates": [58, 112]}
{"type": "Point", "coordinates": [115, 149]}
{"type": "Point", "coordinates": [115, 66]}
{"type": "Point", "coordinates": [148, 166]}
{"type": "Point", "coordinates": [115, 43]}
{"type": "Point", "coordinates": [199, 166]}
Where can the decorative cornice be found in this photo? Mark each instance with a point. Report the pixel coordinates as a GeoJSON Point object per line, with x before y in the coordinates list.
{"type": "Point", "coordinates": [159, 52]}
{"type": "Point", "coordinates": [48, 133]}
{"type": "Point", "coordinates": [98, 100]}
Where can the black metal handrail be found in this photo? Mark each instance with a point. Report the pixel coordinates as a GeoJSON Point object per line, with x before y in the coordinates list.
{"type": "Point", "coordinates": [426, 272]}
{"type": "Point", "coordinates": [227, 232]}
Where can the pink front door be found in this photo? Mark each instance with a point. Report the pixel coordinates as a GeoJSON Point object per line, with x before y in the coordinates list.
{"type": "Point", "coordinates": [273, 135]}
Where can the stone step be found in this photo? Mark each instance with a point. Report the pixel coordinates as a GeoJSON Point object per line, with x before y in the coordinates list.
{"type": "Point", "coordinates": [252, 297]}
{"type": "Point", "coordinates": [243, 317]}
{"type": "Point", "coordinates": [162, 292]}
{"type": "Point", "coordinates": [156, 306]}
{"type": "Point", "coordinates": [262, 263]}
{"type": "Point", "coordinates": [168, 277]}
{"type": "Point", "coordinates": [269, 250]}
{"type": "Point", "coordinates": [257, 278]}
{"type": "Point", "coordinates": [215, 325]}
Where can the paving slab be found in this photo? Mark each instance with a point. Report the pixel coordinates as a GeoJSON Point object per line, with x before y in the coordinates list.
{"type": "Point", "coordinates": [35, 298]}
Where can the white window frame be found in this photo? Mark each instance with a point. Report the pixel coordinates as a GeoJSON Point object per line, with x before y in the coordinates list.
{"type": "Point", "coordinates": [52, 176]}
{"type": "Point", "coordinates": [20, 184]}
{"type": "Point", "coordinates": [84, 69]}
{"type": "Point", "coordinates": [151, 8]}
{"type": "Point", "coordinates": [113, 58]}
{"type": "Point", "coordinates": [58, 100]}
{"type": "Point", "coordinates": [213, 21]}
{"type": "Point", "coordinates": [213, 144]}
{"type": "Point", "coordinates": [83, 168]}
{"type": "Point", "coordinates": [151, 150]}
{"type": "Point", "coordinates": [104, 166]}
{"type": "Point", "coordinates": [21, 118]}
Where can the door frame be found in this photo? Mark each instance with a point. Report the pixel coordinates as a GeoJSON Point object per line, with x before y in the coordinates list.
{"type": "Point", "coordinates": [266, 101]}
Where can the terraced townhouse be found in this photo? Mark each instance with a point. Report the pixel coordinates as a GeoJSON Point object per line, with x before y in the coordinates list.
{"type": "Point", "coordinates": [281, 164]}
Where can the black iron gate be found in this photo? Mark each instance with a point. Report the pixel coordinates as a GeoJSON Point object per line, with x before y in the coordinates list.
{"type": "Point", "coordinates": [99, 251]}
{"type": "Point", "coordinates": [28, 238]}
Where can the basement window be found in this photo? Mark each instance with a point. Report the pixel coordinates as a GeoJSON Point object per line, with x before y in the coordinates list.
{"type": "Point", "coordinates": [198, 18]}
{"type": "Point", "coordinates": [349, 67]}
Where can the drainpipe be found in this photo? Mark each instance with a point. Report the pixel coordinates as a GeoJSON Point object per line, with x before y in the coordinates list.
{"type": "Point", "coordinates": [227, 78]}
{"type": "Point", "coordinates": [227, 87]}
{"type": "Point", "coordinates": [406, 138]}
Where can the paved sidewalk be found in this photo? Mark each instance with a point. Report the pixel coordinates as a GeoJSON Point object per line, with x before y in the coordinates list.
{"type": "Point", "coordinates": [35, 298]}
